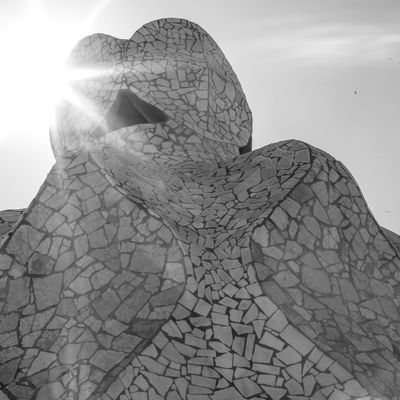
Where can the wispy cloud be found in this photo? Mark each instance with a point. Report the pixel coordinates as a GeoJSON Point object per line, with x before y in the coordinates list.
{"type": "Point", "coordinates": [324, 43]}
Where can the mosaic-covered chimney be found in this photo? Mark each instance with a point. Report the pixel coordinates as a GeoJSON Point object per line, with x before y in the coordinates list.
{"type": "Point", "coordinates": [163, 259]}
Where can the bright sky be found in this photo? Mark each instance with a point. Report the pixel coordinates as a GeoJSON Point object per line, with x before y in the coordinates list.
{"type": "Point", "coordinates": [325, 72]}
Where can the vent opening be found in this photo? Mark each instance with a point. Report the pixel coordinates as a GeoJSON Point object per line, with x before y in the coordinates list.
{"type": "Point", "coordinates": [247, 147]}
{"type": "Point", "coordinates": [127, 110]}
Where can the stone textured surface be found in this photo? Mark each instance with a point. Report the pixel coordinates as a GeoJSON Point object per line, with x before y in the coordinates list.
{"type": "Point", "coordinates": [157, 262]}
{"type": "Point", "coordinates": [8, 218]}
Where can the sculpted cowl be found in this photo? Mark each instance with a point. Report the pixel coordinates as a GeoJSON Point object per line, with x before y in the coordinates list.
{"type": "Point", "coordinates": [163, 259]}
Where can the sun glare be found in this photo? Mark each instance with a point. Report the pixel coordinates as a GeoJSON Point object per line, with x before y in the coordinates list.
{"type": "Point", "coordinates": [33, 75]}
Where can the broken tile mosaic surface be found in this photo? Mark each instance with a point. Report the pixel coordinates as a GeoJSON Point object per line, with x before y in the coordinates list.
{"type": "Point", "coordinates": [161, 259]}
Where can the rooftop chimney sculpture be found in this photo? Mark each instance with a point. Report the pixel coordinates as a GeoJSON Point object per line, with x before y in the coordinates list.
{"type": "Point", "coordinates": [163, 259]}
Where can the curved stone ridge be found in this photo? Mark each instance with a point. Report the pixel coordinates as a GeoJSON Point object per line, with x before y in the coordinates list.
{"type": "Point", "coordinates": [393, 238]}
{"type": "Point", "coordinates": [156, 262]}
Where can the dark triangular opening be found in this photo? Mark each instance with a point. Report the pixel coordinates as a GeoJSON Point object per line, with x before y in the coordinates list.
{"type": "Point", "coordinates": [247, 147]}
{"type": "Point", "coordinates": [127, 110]}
